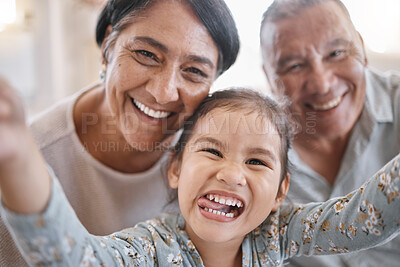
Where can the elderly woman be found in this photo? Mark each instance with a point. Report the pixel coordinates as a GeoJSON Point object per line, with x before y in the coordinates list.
{"type": "Point", "coordinates": [107, 143]}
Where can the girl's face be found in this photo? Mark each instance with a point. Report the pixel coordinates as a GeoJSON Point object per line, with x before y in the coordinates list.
{"type": "Point", "coordinates": [159, 70]}
{"type": "Point", "coordinates": [229, 176]}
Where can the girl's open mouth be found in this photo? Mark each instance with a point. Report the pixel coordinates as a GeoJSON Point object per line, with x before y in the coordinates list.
{"type": "Point", "coordinates": [219, 205]}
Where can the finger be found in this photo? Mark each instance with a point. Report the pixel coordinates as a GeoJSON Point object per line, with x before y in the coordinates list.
{"type": "Point", "coordinates": [5, 109]}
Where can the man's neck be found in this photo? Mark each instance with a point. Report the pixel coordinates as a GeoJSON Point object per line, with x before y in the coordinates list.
{"type": "Point", "coordinates": [323, 155]}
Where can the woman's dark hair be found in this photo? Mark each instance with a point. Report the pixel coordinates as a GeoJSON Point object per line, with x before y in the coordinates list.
{"type": "Point", "coordinates": [247, 101]}
{"type": "Point", "coordinates": [214, 14]}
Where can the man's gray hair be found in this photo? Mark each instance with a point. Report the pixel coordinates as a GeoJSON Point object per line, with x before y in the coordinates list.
{"type": "Point", "coordinates": [282, 9]}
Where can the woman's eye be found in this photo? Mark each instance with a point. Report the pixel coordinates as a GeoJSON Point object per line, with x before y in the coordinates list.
{"type": "Point", "coordinates": [147, 54]}
{"type": "Point", "coordinates": [213, 151]}
{"type": "Point", "coordinates": [256, 162]}
{"type": "Point", "coordinates": [196, 71]}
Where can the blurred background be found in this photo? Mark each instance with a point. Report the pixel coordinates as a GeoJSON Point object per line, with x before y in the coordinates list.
{"type": "Point", "coordinates": [48, 49]}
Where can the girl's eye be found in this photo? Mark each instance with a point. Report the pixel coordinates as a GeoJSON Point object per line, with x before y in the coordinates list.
{"type": "Point", "coordinates": [213, 151]}
{"type": "Point", "coordinates": [256, 162]}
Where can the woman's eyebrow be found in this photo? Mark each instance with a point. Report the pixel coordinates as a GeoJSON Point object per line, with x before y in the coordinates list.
{"type": "Point", "coordinates": [155, 43]}
{"type": "Point", "coordinates": [150, 41]}
{"type": "Point", "coordinates": [202, 60]}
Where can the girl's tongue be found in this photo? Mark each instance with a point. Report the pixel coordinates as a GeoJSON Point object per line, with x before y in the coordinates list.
{"type": "Point", "coordinates": [203, 202]}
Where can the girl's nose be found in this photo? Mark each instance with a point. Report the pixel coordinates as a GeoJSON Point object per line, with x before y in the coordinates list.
{"type": "Point", "coordinates": [232, 175]}
{"type": "Point", "coordinates": [164, 86]}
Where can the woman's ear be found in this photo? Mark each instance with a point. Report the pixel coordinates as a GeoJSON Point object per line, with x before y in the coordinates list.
{"type": "Point", "coordinates": [103, 45]}
{"type": "Point", "coordinates": [173, 172]}
{"type": "Point", "coordinates": [282, 192]}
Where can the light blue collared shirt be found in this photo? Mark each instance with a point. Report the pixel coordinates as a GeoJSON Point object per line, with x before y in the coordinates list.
{"type": "Point", "coordinates": [374, 141]}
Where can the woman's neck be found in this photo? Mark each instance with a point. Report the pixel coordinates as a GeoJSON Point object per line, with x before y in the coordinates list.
{"type": "Point", "coordinates": [110, 149]}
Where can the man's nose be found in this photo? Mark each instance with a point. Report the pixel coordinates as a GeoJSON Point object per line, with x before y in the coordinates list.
{"type": "Point", "coordinates": [319, 79]}
{"type": "Point", "coordinates": [164, 86]}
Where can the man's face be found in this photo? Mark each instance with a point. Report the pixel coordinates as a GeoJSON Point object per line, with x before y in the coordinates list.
{"type": "Point", "coordinates": [317, 59]}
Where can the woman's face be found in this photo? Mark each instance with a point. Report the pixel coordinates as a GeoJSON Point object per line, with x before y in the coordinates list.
{"type": "Point", "coordinates": [159, 70]}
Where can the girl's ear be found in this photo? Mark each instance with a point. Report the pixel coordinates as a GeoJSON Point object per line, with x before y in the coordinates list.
{"type": "Point", "coordinates": [173, 172]}
{"type": "Point", "coordinates": [282, 192]}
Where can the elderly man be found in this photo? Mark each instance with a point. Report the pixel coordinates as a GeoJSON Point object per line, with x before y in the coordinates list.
{"type": "Point", "coordinates": [348, 115]}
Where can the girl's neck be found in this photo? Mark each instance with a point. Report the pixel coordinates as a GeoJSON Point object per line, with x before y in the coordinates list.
{"type": "Point", "coordinates": [227, 254]}
{"type": "Point", "coordinates": [110, 149]}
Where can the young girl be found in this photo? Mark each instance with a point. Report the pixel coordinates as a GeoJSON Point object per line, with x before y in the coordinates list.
{"type": "Point", "coordinates": [231, 171]}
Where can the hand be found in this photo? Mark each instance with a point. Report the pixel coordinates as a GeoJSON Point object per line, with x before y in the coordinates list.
{"type": "Point", "coordinates": [24, 180]}
{"type": "Point", "coordinates": [12, 124]}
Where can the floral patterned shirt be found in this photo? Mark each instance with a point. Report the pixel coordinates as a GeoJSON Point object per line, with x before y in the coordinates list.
{"type": "Point", "coordinates": [364, 218]}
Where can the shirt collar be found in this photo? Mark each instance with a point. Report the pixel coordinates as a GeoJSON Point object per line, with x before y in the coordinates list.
{"type": "Point", "coordinates": [378, 102]}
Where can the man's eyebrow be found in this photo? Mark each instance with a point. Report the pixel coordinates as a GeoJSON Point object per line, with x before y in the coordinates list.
{"type": "Point", "coordinates": [207, 139]}
{"type": "Point", "coordinates": [151, 42]}
{"type": "Point", "coordinates": [285, 60]}
{"type": "Point", "coordinates": [338, 41]}
{"type": "Point", "coordinates": [202, 60]}
{"type": "Point", "coordinates": [263, 151]}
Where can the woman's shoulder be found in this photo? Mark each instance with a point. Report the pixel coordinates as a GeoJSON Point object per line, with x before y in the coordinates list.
{"type": "Point", "coordinates": [56, 121]}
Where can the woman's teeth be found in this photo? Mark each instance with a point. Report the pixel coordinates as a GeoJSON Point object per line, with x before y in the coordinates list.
{"type": "Point", "coordinates": [331, 104]}
{"type": "Point", "coordinates": [150, 112]}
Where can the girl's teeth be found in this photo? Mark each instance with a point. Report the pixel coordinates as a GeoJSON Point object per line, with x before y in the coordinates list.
{"type": "Point", "coordinates": [229, 215]}
{"type": "Point", "coordinates": [225, 200]}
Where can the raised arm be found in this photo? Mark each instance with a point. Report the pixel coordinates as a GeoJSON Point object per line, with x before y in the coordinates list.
{"type": "Point", "coordinates": [365, 218]}
{"type": "Point", "coordinates": [37, 213]}
{"type": "Point", "coordinates": [24, 181]}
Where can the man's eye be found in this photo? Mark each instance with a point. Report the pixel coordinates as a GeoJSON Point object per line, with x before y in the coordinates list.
{"type": "Point", "coordinates": [213, 151]}
{"type": "Point", "coordinates": [294, 67]}
{"type": "Point", "coordinates": [196, 71]}
{"type": "Point", "coordinates": [336, 53]}
{"type": "Point", "coordinates": [256, 162]}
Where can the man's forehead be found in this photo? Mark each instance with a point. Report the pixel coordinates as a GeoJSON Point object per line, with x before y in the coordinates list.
{"type": "Point", "coordinates": [318, 22]}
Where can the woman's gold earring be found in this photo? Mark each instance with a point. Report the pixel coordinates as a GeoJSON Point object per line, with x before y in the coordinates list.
{"type": "Point", "coordinates": [102, 73]}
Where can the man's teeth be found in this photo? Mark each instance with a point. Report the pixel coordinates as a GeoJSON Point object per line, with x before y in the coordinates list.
{"type": "Point", "coordinates": [229, 201]}
{"type": "Point", "coordinates": [331, 104]}
{"type": "Point", "coordinates": [150, 112]}
{"type": "Point", "coordinates": [229, 214]}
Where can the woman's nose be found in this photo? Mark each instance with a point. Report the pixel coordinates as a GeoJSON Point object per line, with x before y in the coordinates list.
{"type": "Point", "coordinates": [232, 175]}
{"type": "Point", "coordinates": [164, 86]}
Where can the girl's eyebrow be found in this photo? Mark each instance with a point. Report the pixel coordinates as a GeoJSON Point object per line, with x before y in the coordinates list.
{"type": "Point", "coordinates": [207, 139]}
